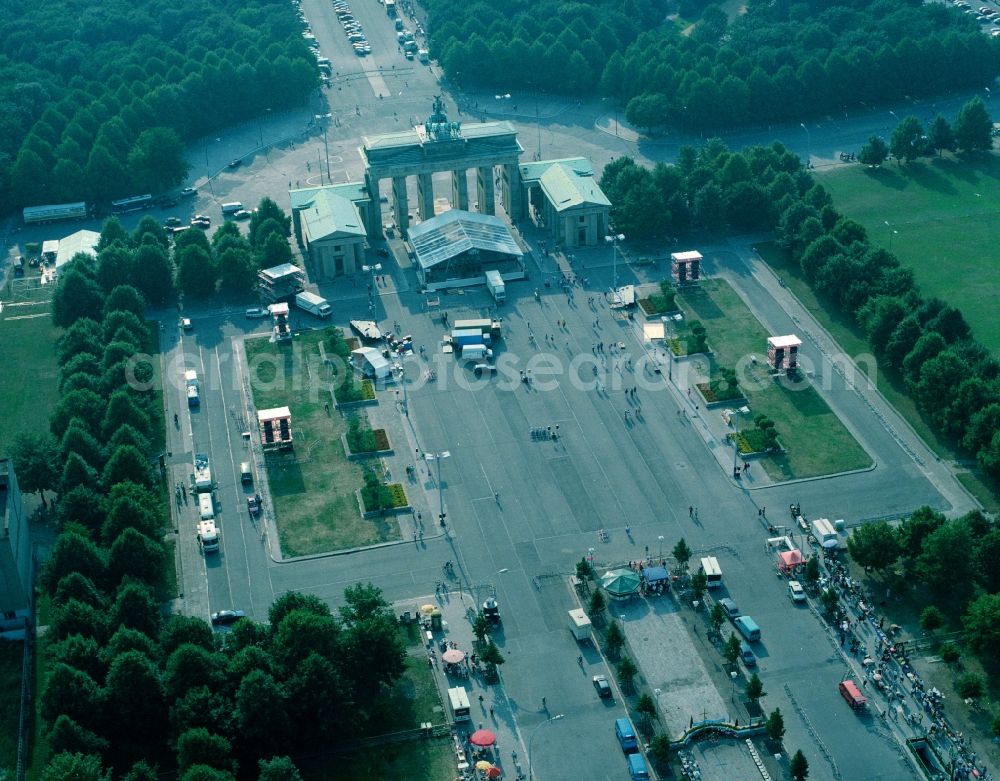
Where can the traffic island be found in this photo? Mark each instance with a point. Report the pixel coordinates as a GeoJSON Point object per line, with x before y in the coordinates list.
{"type": "Point", "coordinates": [314, 488]}
{"type": "Point", "coordinates": [814, 441]}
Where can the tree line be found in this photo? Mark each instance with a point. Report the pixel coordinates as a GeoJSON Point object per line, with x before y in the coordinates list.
{"type": "Point", "coordinates": [98, 100]}
{"type": "Point", "coordinates": [157, 268]}
{"type": "Point", "coordinates": [972, 131]}
{"type": "Point", "coordinates": [783, 60]}
{"type": "Point", "coordinates": [549, 46]}
{"type": "Point", "coordinates": [129, 692]}
{"type": "Point", "coordinates": [953, 378]}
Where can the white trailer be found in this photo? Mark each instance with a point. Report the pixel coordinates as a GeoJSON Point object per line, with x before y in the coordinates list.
{"type": "Point", "coordinates": [208, 536]}
{"type": "Point", "coordinates": [494, 283]}
{"type": "Point", "coordinates": [313, 304]}
{"type": "Point", "coordinates": [579, 624]}
{"type": "Point", "coordinates": [202, 473]}
{"type": "Point", "coordinates": [54, 212]}
{"type": "Point", "coordinates": [713, 572]}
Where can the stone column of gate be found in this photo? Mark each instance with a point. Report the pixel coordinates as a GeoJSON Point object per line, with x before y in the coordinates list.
{"type": "Point", "coordinates": [425, 196]}
{"type": "Point", "coordinates": [511, 184]}
{"type": "Point", "coordinates": [400, 206]}
{"type": "Point", "coordinates": [485, 191]}
{"type": "Point", "coordinates": [460, 189]}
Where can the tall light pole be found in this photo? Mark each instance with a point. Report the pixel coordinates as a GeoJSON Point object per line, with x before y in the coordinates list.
{"type": "Point", "coordinates": [323, 119]}
{"type": "Point", "coordinates": [892, 232]}
{"type": "Point", "coordinates": [809, 143]}
{"type": "Point", "coordinates": [613, 240]}
{"type": "Point", "coordinates": [439, 457]}
{"type": "Point", "coordinates": [660, 538]}
{"type": "Point", "coordinates": [736, 443]}
{"type": "Point", "coordinates": [534, 731]}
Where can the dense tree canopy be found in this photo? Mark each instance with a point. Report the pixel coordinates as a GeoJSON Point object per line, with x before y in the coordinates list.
{"type": "Point", "coordinates": [98, 99]}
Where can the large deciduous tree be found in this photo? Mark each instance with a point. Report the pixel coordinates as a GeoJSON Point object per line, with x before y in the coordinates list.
{"type": "Point", "coordinates": [973, 127]}
{"type": "Point", "coordinates": [874, 545]}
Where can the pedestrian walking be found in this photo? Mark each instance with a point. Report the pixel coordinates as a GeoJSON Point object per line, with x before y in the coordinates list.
{"type": "Point", "coordinates": [690, 512]}
{"type": "Point", "coordinates": [491, 711]}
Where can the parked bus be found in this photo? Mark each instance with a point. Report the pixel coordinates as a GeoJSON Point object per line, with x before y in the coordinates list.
{"type": "Point", "coordinates": [713, 573]}
{"type": "Point", "coordinates": [133, 204]}
{"type": "Point", "coordinates": [459, 700]}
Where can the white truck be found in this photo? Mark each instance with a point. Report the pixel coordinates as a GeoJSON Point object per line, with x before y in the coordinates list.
{"type": "Point", "coordinates": [476, 352]}
{"type": "Point", "coordinates": [313, 304]}
{"type": "Point", "coordinates": [579, 624]}
{"type": "Point", "coordinates": [208, 536]}
{"type": "Point", "coordinates": [494, 283]}
{"type": "Point", "coordinates": [191, 383]}
{"type": "Point", "coordinates": [202, 473]}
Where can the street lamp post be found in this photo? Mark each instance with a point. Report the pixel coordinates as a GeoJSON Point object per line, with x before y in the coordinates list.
{"type": "Point", "coordinates": [323, 120]}
{"type": "Point", "coordinates": [439, 457]}
{"type": "Point", "coordinates": [613, 240]}
{"type": "Point", "coordinates": [809, 143]}
{"type": "Point", "coordinates": [660, 538]}
{"type": "Point", "coordinates": [532, 738]}
{"type": "Point", "coordinates": [892, 232]}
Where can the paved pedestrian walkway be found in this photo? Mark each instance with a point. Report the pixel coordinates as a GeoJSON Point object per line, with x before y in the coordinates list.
{"type": "Point", "coordinates": [490, 708]}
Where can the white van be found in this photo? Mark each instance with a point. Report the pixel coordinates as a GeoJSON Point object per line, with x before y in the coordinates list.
{"type": "Point", "coordinates": [459, 700]}
{"type": "Point", "coordinates": [232, 208]}
{"type": "Point", "coordinates": [206, 506]}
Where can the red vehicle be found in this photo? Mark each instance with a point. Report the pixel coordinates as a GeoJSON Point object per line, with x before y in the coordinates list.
{"type": "Point", "coordinates": [253, 504]}
{"type": "Point", "coordinates": [852, 694]}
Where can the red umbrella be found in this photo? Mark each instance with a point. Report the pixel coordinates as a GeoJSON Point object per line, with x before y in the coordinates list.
{"type": "Point", "coordinates": [483, 737]}
{"type": "Point", "coordinates": [493, 772]}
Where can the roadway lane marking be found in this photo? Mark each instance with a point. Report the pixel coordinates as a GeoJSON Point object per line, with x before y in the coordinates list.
{"type": "Point", "coordinates": [236, 475]}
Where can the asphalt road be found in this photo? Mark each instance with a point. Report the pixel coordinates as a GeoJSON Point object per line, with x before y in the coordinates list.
{"type": "Point", "coordinates": [553, 496]}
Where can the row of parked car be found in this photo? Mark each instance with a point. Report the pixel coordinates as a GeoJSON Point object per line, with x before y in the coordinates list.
{"type": "Point", "coordinates": [352, 28]}
{"type": "Point", "coordinates": [984, 14]}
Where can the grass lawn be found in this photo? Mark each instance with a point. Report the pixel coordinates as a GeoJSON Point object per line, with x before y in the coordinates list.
{"type": "Point", "coordinates": [313, 486]}
{"type": "Point", "coordinates": [943, 224]}
{"type": "Point", "coordinates": [817, 443]}
{"type": "Point", "coordinates": [28, 382]}
{"type": "Point", "coordinates": [11, 658]}
{"type": "Point", "coordinates": [852, 340]}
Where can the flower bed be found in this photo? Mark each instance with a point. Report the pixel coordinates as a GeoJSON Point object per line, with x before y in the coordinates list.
{"type": "Point", "coordinates": [661, 302]}
{"type": "Point", "coordinates": [752, 441]}
{"type": "Point", "coordinates": [719, 390]}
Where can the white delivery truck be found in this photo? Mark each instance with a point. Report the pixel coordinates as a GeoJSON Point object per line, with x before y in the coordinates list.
{"type": "Point", "coordinates": [191, 383]}
{"type": "Point", "coordinates": [494, 282]}
{"type": "Point", "coordinates": [579, 624]}
{"type": "Point", "coordinates": [208, 535]}
{"type": "Point", "coordinates": [313, 304]}
{"type": "Point", "coordinates": [458, 698]}
{"type": "Point", "coordinates": [476, 352]}
{"type": "Point", "coordinates": [202, 473]}
{"type": "Point", "coordinates": [713, 572]}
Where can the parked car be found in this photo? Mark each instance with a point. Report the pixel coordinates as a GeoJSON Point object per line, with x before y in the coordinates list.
{"type": "Point", "coordinates": [225, 617]}
{"type": "Point", "coordinates": [253, 505]}
{"type": "Point", "coordinates": [796, 592]}
{"type": "Point", "coordinates": [235, 163]}
{"type": "Point", "coordinates": [242, 214]}
{"type": "Point", "coordinates": [186, 323]}
{"type": "Point", "coordinates": [172, 222]}
{"type": "Point", "coordinates": [730, 607]}
{"type": "Point", "coordinates": [602, 686]}
{"type": "Point", "coordinates": [188, 192]}
{"type": "Point", "coordinates": [256, 312]}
